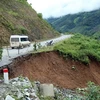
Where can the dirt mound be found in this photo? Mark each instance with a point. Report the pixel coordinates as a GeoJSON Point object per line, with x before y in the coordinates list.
{"type": "Point", "coordinates": [50, 67]}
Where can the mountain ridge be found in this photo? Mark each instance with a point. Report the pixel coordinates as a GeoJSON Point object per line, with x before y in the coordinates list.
{"type": "Point", "coordinates": [86, 23]}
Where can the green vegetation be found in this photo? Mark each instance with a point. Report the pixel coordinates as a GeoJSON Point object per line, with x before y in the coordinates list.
{"type": "Point", "coordinates": [24, 2]}
{"type": "Point", "coordinates": [87, 23]}
{"type": "Point", "coordinates": [22, 29]}
{"type": "Point", "coordinates": [96, 35]}
{"type": "Point", "coordinates": [13, 13]}
{"type": "Point", "coordinates": [93, 92]}
{"type": "Point", "coordinates": [40, 15]}
{"type": "Point", "coordinates": [80, 48]}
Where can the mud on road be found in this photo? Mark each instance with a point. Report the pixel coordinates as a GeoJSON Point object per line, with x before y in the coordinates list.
{"type": "Point", "coordinates": [50, 67]}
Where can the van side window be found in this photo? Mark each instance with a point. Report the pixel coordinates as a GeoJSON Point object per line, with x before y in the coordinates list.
{"type": "Point", "coordinates": [15, 39]}
{"type": "Point", "coordinates": [24, 39]}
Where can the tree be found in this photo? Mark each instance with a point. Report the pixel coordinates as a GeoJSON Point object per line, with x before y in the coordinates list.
{"type": "Point", "coordinates": [40, 15]}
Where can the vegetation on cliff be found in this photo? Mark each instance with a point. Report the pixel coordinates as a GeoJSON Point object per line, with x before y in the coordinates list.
{"type": "Point", "coordinates": [80, 48]}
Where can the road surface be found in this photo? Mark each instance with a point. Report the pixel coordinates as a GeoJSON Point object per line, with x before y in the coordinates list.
{"type": "Point", "coordinates": [9, 54]}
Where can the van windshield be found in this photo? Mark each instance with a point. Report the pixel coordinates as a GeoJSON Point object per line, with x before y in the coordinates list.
{"type": "Point", "coordinates": [15, 39]}
{"type": "Point", "coordinates": [24, 39]}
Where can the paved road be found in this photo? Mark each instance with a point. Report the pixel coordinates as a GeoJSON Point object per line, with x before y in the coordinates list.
{"type": "Point", "coordinates": [8, 53]}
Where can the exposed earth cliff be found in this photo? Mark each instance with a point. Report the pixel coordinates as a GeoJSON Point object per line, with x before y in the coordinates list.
{"type": "Point", "coordinates": [49, 67]}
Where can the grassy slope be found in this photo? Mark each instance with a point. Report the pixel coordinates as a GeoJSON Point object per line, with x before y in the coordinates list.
{"type": "Point", "coordinates": [80, 48]}
{"type": "Point", "coordinates": [18, 17]}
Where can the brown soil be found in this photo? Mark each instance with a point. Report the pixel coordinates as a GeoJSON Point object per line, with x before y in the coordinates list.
{"type": "Point", "coordinates": [50, 67]}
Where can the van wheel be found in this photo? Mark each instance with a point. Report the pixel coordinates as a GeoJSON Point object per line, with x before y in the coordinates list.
{"type": "Point", "coordinates": [12, 47]}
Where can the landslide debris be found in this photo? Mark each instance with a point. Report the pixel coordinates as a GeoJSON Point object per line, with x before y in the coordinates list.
{"type": "Point", "coordinates": [50, 67]}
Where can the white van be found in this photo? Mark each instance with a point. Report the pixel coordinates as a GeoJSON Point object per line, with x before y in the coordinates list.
{"type": "Point", "coordinates": [19, 41]}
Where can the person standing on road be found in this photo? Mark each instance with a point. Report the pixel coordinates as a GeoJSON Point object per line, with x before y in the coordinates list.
{"type": "Point", "coordinates": [35, 46]}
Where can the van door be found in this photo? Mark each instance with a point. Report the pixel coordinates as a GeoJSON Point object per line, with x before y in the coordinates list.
{"type": "Point", "coordinates": [14, 42]}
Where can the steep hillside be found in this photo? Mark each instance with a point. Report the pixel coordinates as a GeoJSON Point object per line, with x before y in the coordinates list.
{"type": "Point", "coordinates": [86, 23]}
{"type": "Point", "coordinates": [18, 17]}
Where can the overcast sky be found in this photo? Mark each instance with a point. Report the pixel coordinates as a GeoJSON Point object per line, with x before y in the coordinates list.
{"type": "Point", "coordinates": [57, 8]}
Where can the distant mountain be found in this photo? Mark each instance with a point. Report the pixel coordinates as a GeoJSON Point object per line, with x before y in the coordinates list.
{"type": "Point", "coordinates": [18, 17]}
{"type": "Point", "coordinates": [86, 23]}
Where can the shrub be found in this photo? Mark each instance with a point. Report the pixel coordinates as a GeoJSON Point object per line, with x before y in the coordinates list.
{"type": "Point", "coordinates": [13, 13]}
{"type": "Point", "coordinates": [40, 15]}
{"type": "Point", "coordinates": [93, 92]}
{"type": "Point", "coordinates": [79, 48]}
{"type": "Point", "coordinates": [24, 2]}
{"type": "Point", "coordinates": [22, 29]}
